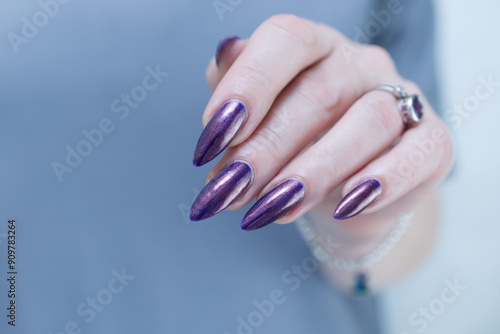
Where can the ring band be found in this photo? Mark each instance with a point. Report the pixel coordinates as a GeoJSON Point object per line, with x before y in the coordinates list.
{"type": "Point", "coordinates": [410, 106]}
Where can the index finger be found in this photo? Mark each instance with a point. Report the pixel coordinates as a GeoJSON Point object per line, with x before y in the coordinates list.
{"type": "Point", "coordinates": [278, 50]}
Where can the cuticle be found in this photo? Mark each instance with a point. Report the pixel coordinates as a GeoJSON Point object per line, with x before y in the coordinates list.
{"type": "Point", "coordinates": [296, 178]}
{"type": "Point", "coordinates": [251, 170]}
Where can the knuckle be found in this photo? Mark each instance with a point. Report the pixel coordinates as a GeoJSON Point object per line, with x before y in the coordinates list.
{"type": "Point", "coordinates": [257, 73]}
{"type": "Point", "coordinates": [412, 178]}
{"type": "Point", "coordinates": [403, 172]}
{"type": "Point", "coordinates": [324, 156]}
{"type": "Point", "coordinates": [411, 87]}
{"type": "Point", "coordinates": [377, 57]}
{"type": "Point", "coordinates": [266, 143]}
{"type": "Point", "coordinates": [294, 27]}
{"type": "Point", "coordinates": [383, 113]}
{"type": "Point", "coordinates": [449, 157]}
{"type": "Point", "coordinates": [321, 91]}
{"type": "Point", "coordinates": [447, 148]}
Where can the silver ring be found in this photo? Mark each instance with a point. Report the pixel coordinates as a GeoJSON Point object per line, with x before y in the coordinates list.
{"type": "Point", "coordinates": [410, 106]}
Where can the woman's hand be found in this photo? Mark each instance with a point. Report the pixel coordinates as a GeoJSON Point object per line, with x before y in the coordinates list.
{"type": "Point", "coordinates": [293, 106]}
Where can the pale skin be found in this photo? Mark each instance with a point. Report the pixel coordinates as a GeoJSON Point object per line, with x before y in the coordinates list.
{"type": "Point", "coordinates": [311, 118]}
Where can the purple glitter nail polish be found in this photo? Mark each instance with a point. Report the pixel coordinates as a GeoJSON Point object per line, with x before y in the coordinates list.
{"type": "Point", "coordinates": [358, 199]}
{"type": "Point", "coordinates": [223, 44]}
{"type": "Point", "coordinates": [274, 205]}
{"type": "Point", "coordinates": [223, 190]}
{"type": "Point", "coordinates": [220, 131]}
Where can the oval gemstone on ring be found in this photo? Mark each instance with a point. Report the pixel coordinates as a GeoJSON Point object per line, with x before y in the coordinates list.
{"type": "Point", "coordinates": [417, 106]}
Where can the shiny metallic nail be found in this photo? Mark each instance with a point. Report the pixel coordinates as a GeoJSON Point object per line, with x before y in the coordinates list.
{"type": "Point", "coordinates": [220, 131]}
{"type": "Point", "coordinates": [358, 199]}
{"type": "Point", "coordinates": [274, 205]}
{"type": "Point", "coordinates": [223, 190]}
{"type": "Point", "coordinates": [223, 44]}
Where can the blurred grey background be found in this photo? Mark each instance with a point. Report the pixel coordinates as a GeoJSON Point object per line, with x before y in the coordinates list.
{"type": "Point", "coordinates": [123, 207]}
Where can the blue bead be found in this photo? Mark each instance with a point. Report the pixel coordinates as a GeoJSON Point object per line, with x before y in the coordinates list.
{"type": "Point", "coordinates": [360, 285]}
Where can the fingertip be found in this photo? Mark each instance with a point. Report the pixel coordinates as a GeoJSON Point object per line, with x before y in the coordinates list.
{"type": "Point", "coordinates": [358, 199]}
{"type": "Point", "coordinates": [282, 221]}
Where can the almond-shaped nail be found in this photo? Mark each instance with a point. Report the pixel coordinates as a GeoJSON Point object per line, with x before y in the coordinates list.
{"type": "Point", "coordinates": [220, 131]}
{"type": "Point", "coordinates": [358, 199]}
{"type": "Point", "coordinates": [274, 205]}
{"type": "Point", "coordinates": [222, 46]}
{"type": "Point", "coordinates": [223, 190]}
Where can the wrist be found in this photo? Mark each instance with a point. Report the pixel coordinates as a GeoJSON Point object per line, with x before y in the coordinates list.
{"type": "Point", "coordinates": [383, 245]}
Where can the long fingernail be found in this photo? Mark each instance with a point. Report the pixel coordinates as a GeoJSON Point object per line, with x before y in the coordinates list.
{"type": "Point", "coordinates": [358, 199]}
{"type": "Point", "coordinates": [223, 44]}
{"type": "Point", "coordinates": [220, 131]}
{"type": "Point", "coordinates": [223, 190]}
{"type": "Point", "coordinates": [274, 205]}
